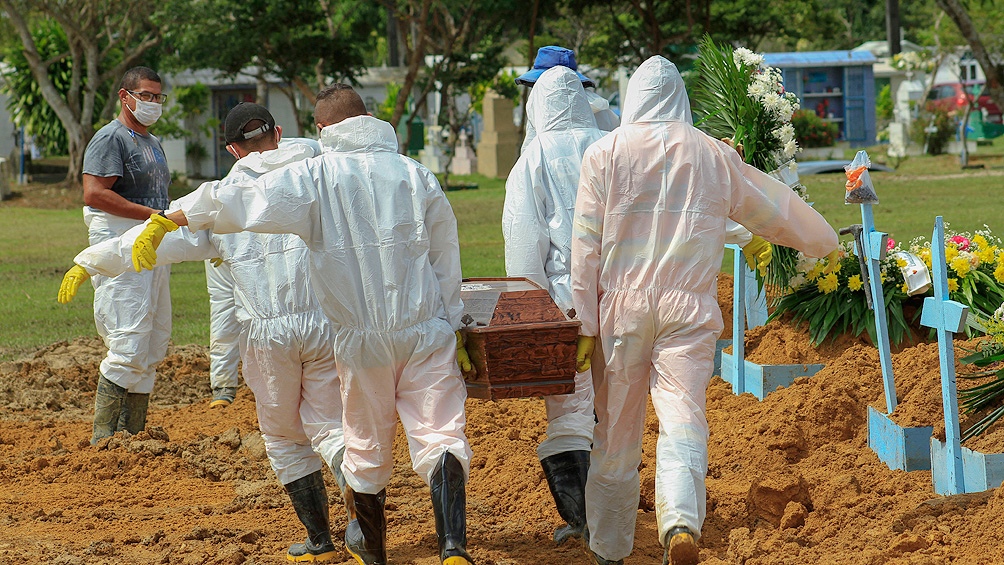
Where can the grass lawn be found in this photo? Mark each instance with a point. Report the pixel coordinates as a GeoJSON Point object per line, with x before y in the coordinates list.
{"type": "Point", "coordinates": [38, 245]}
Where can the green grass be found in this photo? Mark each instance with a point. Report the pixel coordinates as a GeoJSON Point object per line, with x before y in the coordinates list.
{"type": "Point", "coordinates": [37, 246]}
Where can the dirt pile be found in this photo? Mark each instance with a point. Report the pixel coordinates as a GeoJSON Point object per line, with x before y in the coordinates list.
{"type": "Point", "coordinates": [791, 479]}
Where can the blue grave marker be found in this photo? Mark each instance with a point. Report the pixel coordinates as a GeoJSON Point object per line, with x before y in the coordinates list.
{"type": "Point", "coordinates": [898, 447]}
{"type": "Point", "coordinates": [954, 469]}
{"type": "Point", "coordinates": [744, 376]}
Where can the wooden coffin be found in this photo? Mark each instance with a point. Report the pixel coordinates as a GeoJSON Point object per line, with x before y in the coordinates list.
{"type": "Point", "coordinates": [521, 344]}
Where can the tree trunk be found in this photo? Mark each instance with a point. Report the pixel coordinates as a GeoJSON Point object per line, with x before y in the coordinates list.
{"type": "Point", "coordinates": [414, 64]}
{"type": "Point", "coordinates": [994, 73]}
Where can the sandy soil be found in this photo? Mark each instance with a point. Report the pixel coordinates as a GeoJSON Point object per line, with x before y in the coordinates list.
{"type": "Point", "coordinates": [791, 478]}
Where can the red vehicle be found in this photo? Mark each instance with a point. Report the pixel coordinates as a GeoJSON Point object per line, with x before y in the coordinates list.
{"type": "Point", "coordinates": [951, 97]}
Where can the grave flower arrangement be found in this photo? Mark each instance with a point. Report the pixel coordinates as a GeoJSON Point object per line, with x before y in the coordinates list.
{"type": "Point", "coordinates": [737, 97]}
{"type": "Point", "coordinates": [835, 303]}
{"type": "Point", "coordinates": [975, 264]}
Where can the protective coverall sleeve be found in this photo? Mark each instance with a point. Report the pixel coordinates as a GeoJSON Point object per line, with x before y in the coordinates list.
{"type": "Point", "coordinates": [282, 201]}
{"type": "Point", "coordinates": [737, 234]}
{"type": "Point", "coordinates": [113, 257]}
{"type": "Point", "coordinates": [444, 251]}
{"type": "Point", "coordinates": [524, 225]}
{"type": "Point", "coordinates": [770, 209]}
{"type": "Point", "coordinates": [587, 243]}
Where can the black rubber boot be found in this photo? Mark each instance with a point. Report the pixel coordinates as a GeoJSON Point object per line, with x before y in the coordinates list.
{"type": "Point", "coordinates": [598, 560]}
{"type": "Point", "coordinates": [109, 399]}
{"type": "Point", "coordinates": [566, 477]}
{"type": "Point", "coordinates": [681, 547]}
{"type": "Point", "coordinates": [310, 501]}
{"type": "Point", "coordinates": [135, 412]}
{"type": "Point", "coordinates": [366, 533]}
{"type": "Point", "coordinates": [449, 504]}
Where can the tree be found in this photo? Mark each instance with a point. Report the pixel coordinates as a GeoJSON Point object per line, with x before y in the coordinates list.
{"type": "Point", "coordinates": [301, 43]}
{"type": "Point", "coordinates": [104, 39]}
{"type": "Point", "coordinates": [993, 69]}
{"type": "Point", "coordinates": [453, 33]}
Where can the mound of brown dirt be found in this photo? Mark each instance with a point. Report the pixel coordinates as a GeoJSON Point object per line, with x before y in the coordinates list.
{"type": "Point", "coordinates": [791, 479]}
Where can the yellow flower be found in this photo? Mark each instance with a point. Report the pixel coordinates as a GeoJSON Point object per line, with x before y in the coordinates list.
{"type": "Point", "coordinates": [951, 252]}
{"type": "Point", "coordinates": [925, 256]}
{"type": "Point", "coordinates": [987, 254]}
{"type": "Point", "coordinates": [854, 283]}
{"type": "Point", "coordinates": [953, 285]}
{"type": "Point", "coordinates": [814, 273]}
{"type": "Point", "coordinates": [905, 288]}
{"type": "Point", "coordinates": [980, 241]}
{"type": "Point", "coordinates": [828, 283]}
{"type": "Point", "coordinates": [900, 262]}
{"type": "Point", "coordinates": [999, 273]}
{"type": "Point", "coordinates": [960, 264]}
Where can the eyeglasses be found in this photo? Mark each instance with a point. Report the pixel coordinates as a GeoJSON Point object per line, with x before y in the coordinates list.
{"type": "Point", "coordinates": [149, 96]}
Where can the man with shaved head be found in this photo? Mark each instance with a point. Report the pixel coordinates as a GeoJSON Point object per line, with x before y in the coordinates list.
{"type": "Point", "coordinates": [385, 262]}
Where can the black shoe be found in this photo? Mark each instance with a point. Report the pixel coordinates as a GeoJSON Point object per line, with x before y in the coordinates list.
{"type": "Point", "coordinates": [310, 501]}
{"type": "Point", "coordinates": [566, 478]}
{"type": "Point", "coordinates": [449, 504]}
{"type": "Point", "coordinates": [366, 533]}
{"type": "Point", "coordinates": [681, 548]}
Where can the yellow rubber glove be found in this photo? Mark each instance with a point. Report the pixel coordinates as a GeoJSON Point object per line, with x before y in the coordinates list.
{"type": "Point", "coordinates": [144, 250]}
{"type": "Point", "coordinates": [584, 352]}
{"type": "Point", "coordinates": [832, 262]}
{"type": "Point", "coordinates": [758, 253]}
{"type": "Point", "coordinates": [463, 359]}
{"type": "Point", "coordinates": [71, 282]}
{"type": "Point", "coordinates": [216, 261]}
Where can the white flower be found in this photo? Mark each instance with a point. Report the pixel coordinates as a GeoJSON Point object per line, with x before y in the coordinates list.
{"type": "Point", "coordinates": [999, 314]}
{"type": "Point", "coordinates": [796, 281]}
{"type": "Point", "coordinates": [805, 264]}
{"type": "Point", "coordinates": [743, 56]}
{"type": "Point", "coordinates": [790, 148]}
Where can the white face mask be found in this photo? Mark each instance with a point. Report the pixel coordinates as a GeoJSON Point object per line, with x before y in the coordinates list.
{"type": "Point", "coordinates": [146, 113]}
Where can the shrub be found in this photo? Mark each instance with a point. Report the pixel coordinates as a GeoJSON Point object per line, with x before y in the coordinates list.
{"type": "Point", "coordinates": [935, 141]}
{"type": "Point", "coordinates": [883, 103]}
{"type": "Point", "coordinates": [813, 131]}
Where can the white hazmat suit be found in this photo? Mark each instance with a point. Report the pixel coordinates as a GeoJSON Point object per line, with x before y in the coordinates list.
{"type": "Point", "coordinates": [537, 227]}
{"type": "Point", "coordinates": [385, 263]}
{"type": "Point", "coordinates": [647, 245]}
{"type": "Point", "coordinates": [285, 338]}
{"type": "Point", "coordinates": [224, 327]}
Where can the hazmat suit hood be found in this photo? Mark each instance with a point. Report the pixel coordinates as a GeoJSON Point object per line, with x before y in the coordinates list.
{"type": "Point", "coordinates": [359, 134]}
{"type": "Point", "coordinates": [656, 93]}
{"type": "Point", "coordinates": [260, 162]}
{"type": "Point", "coordinates": [558, 102]}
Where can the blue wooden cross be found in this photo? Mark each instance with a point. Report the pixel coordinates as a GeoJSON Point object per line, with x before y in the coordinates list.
{"type": "Point", "coordinates": [947, 317]}
{"type": "Point", "coordinates": [875, 243]}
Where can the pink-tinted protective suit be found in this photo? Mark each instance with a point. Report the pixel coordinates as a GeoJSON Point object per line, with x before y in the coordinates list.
{"type": "Point", "coordinates": [647, 244]}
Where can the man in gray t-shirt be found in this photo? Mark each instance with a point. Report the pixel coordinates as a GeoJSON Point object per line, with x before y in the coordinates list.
{"type": "Point", "coordinates": [125, 182]}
